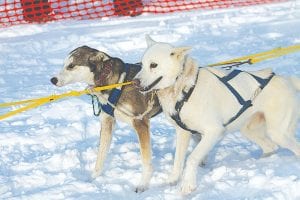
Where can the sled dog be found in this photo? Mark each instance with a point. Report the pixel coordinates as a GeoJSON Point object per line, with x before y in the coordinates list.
{"type": "Point", "coordinates": [96, 68]}
{"type": "Point", "coordinates": [211, 101]}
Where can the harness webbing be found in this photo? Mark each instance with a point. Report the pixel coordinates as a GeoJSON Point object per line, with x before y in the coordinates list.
{"type": "Point", "coordinates": [116, 93]}
{"type": "Point", "coordinates": [178, 106]}
{"type": "Point", "coordinates": [229, 77]}
{"type": "Point", "coordinates": [225, 80]}
{"type": "Point", "coordinates": [244, 103]}
{"type": "Point", "coordinates": [113, 100]}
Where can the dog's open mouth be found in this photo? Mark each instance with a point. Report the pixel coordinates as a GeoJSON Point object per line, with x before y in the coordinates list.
{"type": "Point", "coordinates": [149, 87]}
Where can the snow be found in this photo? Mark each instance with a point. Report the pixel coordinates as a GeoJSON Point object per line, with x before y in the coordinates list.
{"type": "Point", "coordinates": [50, 152]}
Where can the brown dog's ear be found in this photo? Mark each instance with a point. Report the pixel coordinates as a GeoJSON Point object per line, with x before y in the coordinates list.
{"type": "Point", "coordinates": [98, 57]}
{"type": "Point", "coordinates": [96, 60]}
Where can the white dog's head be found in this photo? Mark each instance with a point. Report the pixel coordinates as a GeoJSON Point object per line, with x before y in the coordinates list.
{"type": "Point", "coordinates": [80, 66]}
{"type": "Point", "coordinates": [161, 65]}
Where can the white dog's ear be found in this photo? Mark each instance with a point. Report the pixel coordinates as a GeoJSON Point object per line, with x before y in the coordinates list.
{"type": "Point", "coordinates": [179, 52]}
{"type": "Point", "coordinates": [149, 41]}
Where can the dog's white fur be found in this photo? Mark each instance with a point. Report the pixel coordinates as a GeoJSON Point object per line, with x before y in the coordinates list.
{"type": "Point", "coordinates": [66, 76]}
{"type": "Point", "coordinates": [270, 122]}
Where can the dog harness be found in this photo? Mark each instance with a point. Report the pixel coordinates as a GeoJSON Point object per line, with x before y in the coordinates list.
{"type": "Point", "coordinates": [244, 103]}
{"type": "Point", "coordinates": [179, 104]}
{"type": "Point", "coordinates": [114, 95]}
{"type": "Point", "coordinates": [225, 80]}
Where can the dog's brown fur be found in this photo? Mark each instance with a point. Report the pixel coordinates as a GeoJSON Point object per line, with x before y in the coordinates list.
{"type": "Point", "coordinates": [135, 103]}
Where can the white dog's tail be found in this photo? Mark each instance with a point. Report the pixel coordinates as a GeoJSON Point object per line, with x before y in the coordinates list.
{"type": "Point", "coordinates": [296, 82]}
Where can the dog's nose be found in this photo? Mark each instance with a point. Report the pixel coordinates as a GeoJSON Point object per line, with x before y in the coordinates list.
{"type": "Point", "coordinates": [54, 80]}
{"type": "Point", "coordinates": [136, 82]}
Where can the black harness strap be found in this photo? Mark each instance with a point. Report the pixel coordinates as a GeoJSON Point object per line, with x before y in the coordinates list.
{"type": "Point", "coordinates": [178, 106]}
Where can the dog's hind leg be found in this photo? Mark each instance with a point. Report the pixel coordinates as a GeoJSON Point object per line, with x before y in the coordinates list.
{"type": "Point", "coordinates": [282, 128]}
{"type": "Point", "coordinates": [280, 105]}
{"type": "Point", "coordinates": [143, 132]}
{"type": "Point", "coordinates": [296, 82]}
{"type": "Point", "coordinates": [290, 143]}
{"type": "Point", "coordinates": [255, 130]}
{"type": "Point", "coordinates": [285, 138]}
{"type": "Point", "coordinates": [182, 143]}
{"type": "Point", "coordinates": [107, 124]}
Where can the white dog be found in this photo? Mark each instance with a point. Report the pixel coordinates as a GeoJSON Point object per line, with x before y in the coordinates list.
{"type": "Point", "coordinates": [210, 102]}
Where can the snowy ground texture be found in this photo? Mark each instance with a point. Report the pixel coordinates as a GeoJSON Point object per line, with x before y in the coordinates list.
{"type": "Point", "coordinates": [49, 152]}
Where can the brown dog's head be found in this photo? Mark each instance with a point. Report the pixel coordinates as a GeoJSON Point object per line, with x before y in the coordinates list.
{"type": "Point", "coordinates": [87, 65]}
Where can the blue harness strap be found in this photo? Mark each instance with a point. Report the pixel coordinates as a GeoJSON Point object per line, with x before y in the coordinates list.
{"type": "Point", "coordinates": [178, 106]}
{"type": "Point", "coordinates": [225, 81]}
{"type": "Point", "coordinates": [244, 103]}
{"type": "Point", "coordinates": [113, 100]}
{"type": "Point", "coordinates": [116, 93]}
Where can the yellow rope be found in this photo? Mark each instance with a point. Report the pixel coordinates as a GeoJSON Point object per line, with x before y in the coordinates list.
{"type": "Point", "coordinates": [28, 107]}
{"type": "Point", "coordinates": [258, 57]}
{"type": "Point", "coordinates": [252, 59]}
{"type": "Point", "coordinates": [32, 103]}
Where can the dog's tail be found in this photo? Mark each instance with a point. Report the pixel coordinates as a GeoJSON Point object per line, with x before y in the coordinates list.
{"type": "Point", "coordinates": [296, 82]}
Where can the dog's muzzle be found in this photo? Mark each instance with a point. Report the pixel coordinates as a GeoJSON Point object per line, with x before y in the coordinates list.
{"type": "Point", "coordinates": [137, 83]}
{"type": "Point", "coordinates": [54, 80]}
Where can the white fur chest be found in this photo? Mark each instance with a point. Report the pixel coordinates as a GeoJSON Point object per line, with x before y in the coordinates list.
{"type": "Point", "coordinates": [167, 100]}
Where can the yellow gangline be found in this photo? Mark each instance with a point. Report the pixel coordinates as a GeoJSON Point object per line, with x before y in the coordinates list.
{"type": "Point", "coordinates": [262, 56]}
{"type": "Point", "coordinates": [252, 59]}
{"type": "Point", "coordinates": [33, 103]}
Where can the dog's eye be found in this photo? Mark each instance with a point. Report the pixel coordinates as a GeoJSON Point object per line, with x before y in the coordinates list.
{"type": "Point", "coordinates": [153, 65]}
{"type": "Point", "coordinates": [70, 66]}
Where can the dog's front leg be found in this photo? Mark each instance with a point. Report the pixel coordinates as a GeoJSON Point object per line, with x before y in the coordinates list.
{"type": "Point", "coordinates": [182, 143]}
{"type": "Point", "coordinates": [209, 139]}
{"type": "Point", "coordinates": [107, 124]}
{"type": "Point", "coordinates": [142, 129]}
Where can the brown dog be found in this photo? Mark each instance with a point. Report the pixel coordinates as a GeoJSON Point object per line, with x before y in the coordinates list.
{"type": "Point", "coordinates": [127, 104]}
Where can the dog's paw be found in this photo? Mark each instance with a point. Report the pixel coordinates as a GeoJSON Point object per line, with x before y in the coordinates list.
{"type": "Point", "coordinates": [95, 174]}
{"type": "Point", "coordinates": [264, 155]}
{"type": "Point", "coordinates": [187, 188]}
{"type": "Point", "coordinates": [172, 179]}
{"type": "Point", "coordinates": [202, 164]}
{"type": "Point", "coordinates": [141, 188]}
{"type": "Point", "coordinates": [188, 183]}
